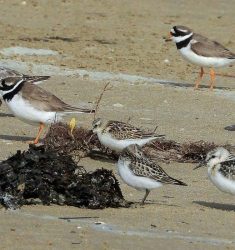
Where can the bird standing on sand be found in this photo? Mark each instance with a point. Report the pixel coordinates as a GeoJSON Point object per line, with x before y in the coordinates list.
{"type": "Point", "coordinates": [201, 51]}
{"type": "Point", "coordinates": [221, 169]}
{"type": "Point", "coordinates": [118, 135]}
{"type": "Point", "coordinates": [32, 104]}
{"type": "Point", "coordinates": [141, 173]}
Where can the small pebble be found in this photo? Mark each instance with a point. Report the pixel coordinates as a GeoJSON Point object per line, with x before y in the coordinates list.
{"type": "Point", "coordinates": [118, 105]}
{"type": "Point", "coordinates": [99, 223]}
{"type": "Point", "coordinates": [166, 61]}
{"type": "Point", "coordinates": [146, 119]}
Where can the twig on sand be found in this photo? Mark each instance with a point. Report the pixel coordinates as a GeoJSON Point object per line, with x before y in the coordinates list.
{"type": "Point", "coordinates": [155, 129]}
{"type": "Point", "coordinates": [100, 97]}
{"type": "Point", "coordinates": [128, 120]}
{"type": "Point", "coordinates": [79, 217]}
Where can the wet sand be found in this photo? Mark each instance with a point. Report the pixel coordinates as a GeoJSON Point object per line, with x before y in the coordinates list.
{"type": "Point", "coordinates": [126, 37]}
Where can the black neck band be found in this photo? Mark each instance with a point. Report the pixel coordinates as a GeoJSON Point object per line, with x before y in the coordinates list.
{"type": "Point", "coordinates": [183, 43]}
{"type": "Point", "coordinates": [8, 96]}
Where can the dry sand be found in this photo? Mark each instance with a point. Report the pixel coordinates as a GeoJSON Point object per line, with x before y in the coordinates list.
{"type": "Point", "coordinates": [127, 37]}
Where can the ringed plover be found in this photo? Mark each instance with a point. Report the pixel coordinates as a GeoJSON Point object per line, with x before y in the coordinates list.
{"type": "Point", "coordinates": [34, 105]}
{"type": "Point", "coordinates": [201, 51]}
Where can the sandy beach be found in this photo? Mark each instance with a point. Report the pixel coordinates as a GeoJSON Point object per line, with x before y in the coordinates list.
{"type": "Point", "coordinates": [151, 85]}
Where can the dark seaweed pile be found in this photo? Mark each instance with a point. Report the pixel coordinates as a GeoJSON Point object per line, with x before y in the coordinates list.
{"type": "Point", "coordinates": [41, 176]}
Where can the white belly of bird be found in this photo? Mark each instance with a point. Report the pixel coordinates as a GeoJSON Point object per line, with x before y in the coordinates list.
{"type": "Point", "coordinates": [203, 61]}
{"type": "Point", "coordinates": [119, 145]}
{"type": "Point", "coordinates": [27, 113]}
{"type": "Point", "coordinates": [137, 182]}
{"type": "Point", "coordinates": [222, 183]}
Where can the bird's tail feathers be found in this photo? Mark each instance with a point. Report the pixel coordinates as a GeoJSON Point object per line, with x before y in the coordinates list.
{"type": "Point", "coordinates": [34, 79]}
{"type": "Point", "coordinates": [177, 182]}
{"type": "Point", "coordinates": [72, 109]}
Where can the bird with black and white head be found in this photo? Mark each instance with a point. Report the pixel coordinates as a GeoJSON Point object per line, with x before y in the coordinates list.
{"type": "Point", "coordinates": [201, 51]}
{"type": "Point", "coordinates": [34, 105]}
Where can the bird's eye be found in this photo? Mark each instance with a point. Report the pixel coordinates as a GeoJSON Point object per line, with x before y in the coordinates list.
{"type": "Point", "coordinates": [3, 82]}
{"type": "Point", "coordinates": [213, 156]}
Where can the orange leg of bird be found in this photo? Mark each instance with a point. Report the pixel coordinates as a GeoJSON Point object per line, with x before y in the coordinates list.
{"type": "Point", "coordinates": [38, 135]}
{"type": "Point", "coordinates": [198, 81]}
{"type": "Point", "coordinates": [41, 127]}
{"type": "Point", "coordinates": [212, 75]}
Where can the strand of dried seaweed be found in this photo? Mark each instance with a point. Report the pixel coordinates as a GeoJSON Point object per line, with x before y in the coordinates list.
{"type": "Point", "coordinates": [86, 143]}
{"type": "Point", "coordinates": [190, 152]}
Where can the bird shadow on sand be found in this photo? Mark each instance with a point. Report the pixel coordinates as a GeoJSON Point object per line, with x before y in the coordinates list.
{"type": "Point", "coordinates": [220, 206]}
{"type": "Point", "coordinates": [230, 128]}
{"type": "Point", "coordinates": [136, 204]}
{"type": "Point", "coordinates": [16, 138]}
{"type": "Point", "coordinates": [101, 156]}
{"type": "Point", "coordinates": [6, 115]}
{"type": "Point", "coordinates": [191, 85]}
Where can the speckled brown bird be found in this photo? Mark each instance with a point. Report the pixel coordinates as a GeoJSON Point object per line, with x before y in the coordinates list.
{"type": "Point", "coordinates": [118, 135]}
{"type": "Point", "coordinates": [141, 173]}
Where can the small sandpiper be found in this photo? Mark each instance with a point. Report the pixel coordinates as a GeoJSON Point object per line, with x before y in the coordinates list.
{"type": "Point", "coordinates": [141, 173]}
{"type": "Point", "coordinates": [118, 135]}
{"type": "Point", "coordinates": [221, 169]}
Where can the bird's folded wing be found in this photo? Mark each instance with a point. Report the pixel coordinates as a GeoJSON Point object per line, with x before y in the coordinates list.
{"type": "Point", "coordinates": [46, 101]}
{"type": "Point", "coordinates": [208, 48]}
{"type": "Point", "coordinates": [146, 168]}
{"type": "Point", "coordinates": [121, 130]}
{"type": "Point", "coordinates": [227, 169]}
